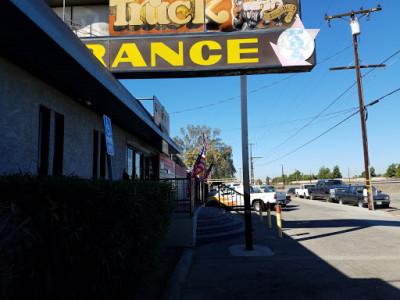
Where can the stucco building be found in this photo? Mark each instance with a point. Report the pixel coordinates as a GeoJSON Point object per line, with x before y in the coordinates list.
{"type": "Point", "coordinates": [53, 95]}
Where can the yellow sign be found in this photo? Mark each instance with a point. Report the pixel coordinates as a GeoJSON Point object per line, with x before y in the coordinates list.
{"type": "Point", "coordinates": [193, 55]}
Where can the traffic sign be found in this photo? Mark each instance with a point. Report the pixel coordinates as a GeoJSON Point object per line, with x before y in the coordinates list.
{"type": "Point", "coordinates": [108, 133]}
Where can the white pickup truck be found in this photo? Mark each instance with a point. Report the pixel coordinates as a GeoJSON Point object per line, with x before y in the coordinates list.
{"type": "Point", "coordinates": [259, 195]}
{"type": "Point", "coordinates": [302, 191]}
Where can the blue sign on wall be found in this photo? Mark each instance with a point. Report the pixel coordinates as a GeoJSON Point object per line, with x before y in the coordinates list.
{"type": "Point", "coordinates": [109, 138]}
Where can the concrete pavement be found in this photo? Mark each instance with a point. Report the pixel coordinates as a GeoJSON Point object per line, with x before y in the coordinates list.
{"type": "Point", "coordinates": [340, 253]}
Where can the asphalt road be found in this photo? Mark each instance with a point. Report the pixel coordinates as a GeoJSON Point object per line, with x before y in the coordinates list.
{"type": "Point", "coordinates": [357, 242]}
{"type": "Point", "coordinates": [328, 251]}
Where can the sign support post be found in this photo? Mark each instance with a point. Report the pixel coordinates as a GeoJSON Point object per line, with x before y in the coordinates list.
{"type": "Point", "coordinates": [245, 162]}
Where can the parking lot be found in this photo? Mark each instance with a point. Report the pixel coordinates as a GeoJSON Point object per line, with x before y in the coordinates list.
{"type": "Point", "coordinates": [327, 251]}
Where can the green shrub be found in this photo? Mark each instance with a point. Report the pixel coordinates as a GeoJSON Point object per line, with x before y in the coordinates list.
{"type": "Point", "coordinates": [73, 238]}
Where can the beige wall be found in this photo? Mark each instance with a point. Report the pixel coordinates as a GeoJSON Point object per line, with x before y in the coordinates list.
{"type": "Point", "coordinates": [21, 94]}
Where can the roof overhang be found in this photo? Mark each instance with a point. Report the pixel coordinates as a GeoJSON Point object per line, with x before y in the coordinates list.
{"type": "Point", "coordinates": [36, 39]}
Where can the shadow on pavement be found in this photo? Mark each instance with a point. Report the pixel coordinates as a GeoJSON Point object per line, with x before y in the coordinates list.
{"type": "Point", "coordinates": [293, 272]}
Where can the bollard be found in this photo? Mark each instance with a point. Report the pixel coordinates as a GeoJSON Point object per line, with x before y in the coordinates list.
{"type": "Point", "coordinates": [269, 215]}
{"type": "Point", "coordinates": [279, 220]}
{"type": "Point", "coordinates": [261, 211]}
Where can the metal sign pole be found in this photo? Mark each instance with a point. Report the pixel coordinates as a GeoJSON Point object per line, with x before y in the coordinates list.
{"type": "Point", "coordinates": [110, 176]}
{"type": "Point", "coordinates": [245, 162]}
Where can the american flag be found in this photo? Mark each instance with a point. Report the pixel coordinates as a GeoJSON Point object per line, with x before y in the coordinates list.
{"type": "Point", "coordinates": [207, 173]}
{"type": "Point", "coordinates": [200, 163]}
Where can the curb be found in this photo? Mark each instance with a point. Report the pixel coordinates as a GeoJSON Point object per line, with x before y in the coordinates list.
{"type": "Point", "coordinates": [178, 277]}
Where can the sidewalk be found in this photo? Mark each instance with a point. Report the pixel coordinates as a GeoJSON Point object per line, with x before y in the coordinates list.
{"type": "Point", "coordinates": [275, 269]}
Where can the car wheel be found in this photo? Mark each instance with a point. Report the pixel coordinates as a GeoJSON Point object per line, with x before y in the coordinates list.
{"type": "Point", "coordinates": [312, 196]}
{"type": "Point", "coordinates": [340, 201]}
{"type": "Point", "coordinates": [360, 203]}
{"type": "Point", "coordinates": [327, 198]}
{"type": "Point", "coordinates": [256, 205]}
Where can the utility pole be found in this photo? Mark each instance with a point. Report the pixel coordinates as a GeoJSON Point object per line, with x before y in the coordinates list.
{"type": "Point", "coordinates": [355, 28]}
{"type": "Point", "coordinates": [251, 164]}
{"type": "Point", "coordinates": [283, 178]}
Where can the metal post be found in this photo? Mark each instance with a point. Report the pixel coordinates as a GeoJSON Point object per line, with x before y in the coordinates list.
{"type": "Point", "coordinates": [245, 162]}
{"type": "Point", "coordinates": [63, 11]}
{"type": "Point", "coordinates": [110, 176]}
{"type": "Point", "coordinates": [363, 127]}
{"type": "Point", "coordinates": [251, 165]}
{"type": "Point", "coordinates": [279, 220]}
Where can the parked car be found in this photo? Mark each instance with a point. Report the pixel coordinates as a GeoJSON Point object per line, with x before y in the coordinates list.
{"type": "Point", "coordinates": [232, 195]}
{"type": "Point", "coordinates": [323, 187]}
{"type": "Point", "coordinates": [357, 195]}
{"type": "Point", "coordinates": [291, 192]}
{"type": "Point", "coordinates": [302, 191]}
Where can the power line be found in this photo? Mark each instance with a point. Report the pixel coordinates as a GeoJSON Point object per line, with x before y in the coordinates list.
{"type": "Point", "coordinates": [292, 121]}
{"type": "Point", "coordinates": [336, 125]}
{"type": "Point", "coordinates": [233, 98]}
{"type": "Point", "coordinates": [258, 89]}
{"type": "Point", "coordinates": [333, 102]}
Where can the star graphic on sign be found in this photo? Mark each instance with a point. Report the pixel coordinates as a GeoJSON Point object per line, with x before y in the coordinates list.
{"type": "Point", "coordinates": [295, 45]}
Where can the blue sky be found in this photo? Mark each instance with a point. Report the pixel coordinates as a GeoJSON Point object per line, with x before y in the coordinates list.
{"type": "Point", "coordinates": [280, 105]}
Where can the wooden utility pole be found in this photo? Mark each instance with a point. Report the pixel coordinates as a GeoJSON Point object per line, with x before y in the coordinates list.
{"type": "Point", "coordinates": [356, 31]}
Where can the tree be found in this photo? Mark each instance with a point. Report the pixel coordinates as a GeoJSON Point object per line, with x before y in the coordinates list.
{"type": "Point", "coordinates": [217, 151]}
{"type": "Point", "coordinates": [295, 176]}
{"type": "Point", "coordinates": [324, 173]}
{"type": "Point", "coordinates": [398, 171]}
{"type": "Point", "coordinates": [258, 182]}
{"type": "Point", "coordinates": [371, 173]}
{"type": "Point", "coordinates": [336, 172]}
{"type": "Point", "coordinates": [391, 171]}
{"type": "Point", "coordinates": [309, 177]}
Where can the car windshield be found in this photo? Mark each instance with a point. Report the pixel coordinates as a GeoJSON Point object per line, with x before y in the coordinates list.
{"type": "Point", "coordinates": [256, 189]}
{"type": "Point", "coordinates": [272, 188]}
{"type": "Point", "coordinates": [308, 186]}
{"type": "Point", "coordinates": [334, 182]}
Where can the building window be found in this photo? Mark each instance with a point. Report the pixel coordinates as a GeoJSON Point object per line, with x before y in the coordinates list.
{"type": "Point", "coordinates": [138, 165]}
{"type": "Point", "coordinates": [58, 144]}
{"type": "Point", "coordinates": [44, 140]}
{"type": "Point", "coordinates": [95, 153]}
{"type": "Point", "coordinates": [130, 163]}
{"type": "Point", "coordinates": [50, 158]}
{"type": "Point", "coordinates": [99, 154]}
